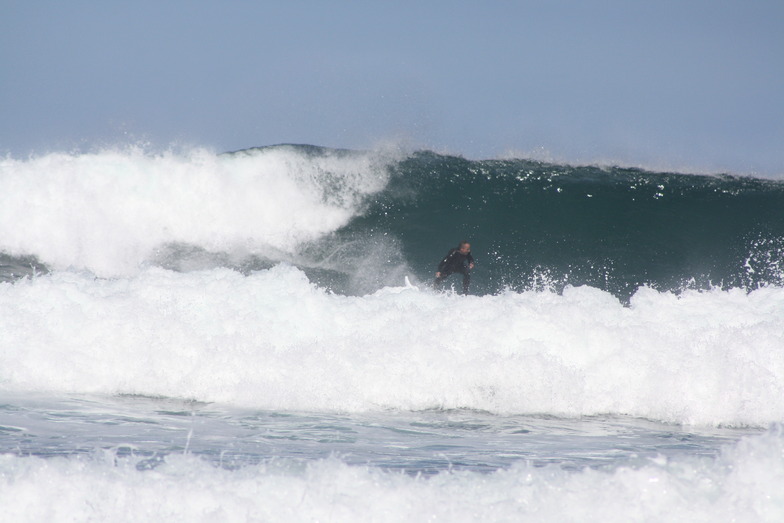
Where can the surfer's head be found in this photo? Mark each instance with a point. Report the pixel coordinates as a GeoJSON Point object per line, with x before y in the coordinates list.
{"type": "Point", "coordinates": [464, 247]}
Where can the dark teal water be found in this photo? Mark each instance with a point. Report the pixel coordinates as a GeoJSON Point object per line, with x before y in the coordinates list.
{"type": "Point", "coordinates": [533, 224]}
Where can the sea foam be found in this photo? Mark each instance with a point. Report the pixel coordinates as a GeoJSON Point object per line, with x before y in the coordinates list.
{"type": "Point", "coordinates": [108, 212]}
{"type": "Point", "coordinates": [276, 341]}
{"type": "Point", "coordinates": [746, 483]}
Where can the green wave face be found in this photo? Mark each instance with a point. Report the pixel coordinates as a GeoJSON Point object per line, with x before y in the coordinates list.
{"type": "Point", "coordinates": [534, 225]}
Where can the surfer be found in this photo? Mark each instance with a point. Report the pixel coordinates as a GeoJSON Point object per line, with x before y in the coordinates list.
{"type": "Point", "coordinates": [455, 262]}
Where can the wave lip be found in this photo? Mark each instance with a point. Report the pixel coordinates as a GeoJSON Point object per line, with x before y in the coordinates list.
{"type": "Point", "coordinates": [108, 212]}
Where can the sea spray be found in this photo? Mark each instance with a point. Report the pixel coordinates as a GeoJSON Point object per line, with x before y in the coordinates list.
{"type": "Point", "coordinates": [111, 211]}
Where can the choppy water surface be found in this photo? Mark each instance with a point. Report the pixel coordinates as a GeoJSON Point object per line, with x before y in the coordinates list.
{"type": "Point", "coordinates": [415, 442]}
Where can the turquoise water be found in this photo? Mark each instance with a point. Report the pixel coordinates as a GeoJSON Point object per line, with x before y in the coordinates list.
{"type": "Point", "coordinates": [615, 229]}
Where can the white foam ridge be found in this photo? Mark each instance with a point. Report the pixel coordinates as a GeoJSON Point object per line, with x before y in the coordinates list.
{"type": "Point", "coordinates": [745, 483]}
{"type": "Point", "coordinates": [273, 340]}
{"type": "Point", "coordinates": [107, 212]}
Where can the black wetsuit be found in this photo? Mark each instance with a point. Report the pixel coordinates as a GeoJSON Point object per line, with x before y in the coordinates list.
{"type": "Point", "coordinates": [453, 262]}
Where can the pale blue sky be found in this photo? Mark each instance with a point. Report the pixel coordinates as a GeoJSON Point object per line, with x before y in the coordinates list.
{"type": "Point", "coordinates": [690, 85]}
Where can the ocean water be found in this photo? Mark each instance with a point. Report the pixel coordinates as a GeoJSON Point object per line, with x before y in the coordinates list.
{"type": "Point", "coordinates": [253, 336]}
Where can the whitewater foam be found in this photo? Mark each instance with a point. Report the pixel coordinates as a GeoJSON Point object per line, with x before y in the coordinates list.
{"type": "Point", "coordinates": [745, 484]}
{"type": "Point", "coordinates": [274, 340]}
{"type": "Point", "coordinates": [108, 212]}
